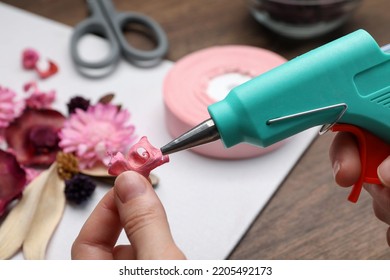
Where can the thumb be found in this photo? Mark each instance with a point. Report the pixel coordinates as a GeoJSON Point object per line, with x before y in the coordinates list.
{"type": "Point", "coordinates": [143, 218]}
{"type": "Point", "coordinates": [384, 172]}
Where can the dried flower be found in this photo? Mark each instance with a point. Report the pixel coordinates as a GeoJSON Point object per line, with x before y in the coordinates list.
{"type": "Point", "coordinates": [67, 165]}
{"type": "Point", "coordinates": [38, 99]}
{"type": "Point", "coordinates": [94, 134]}
{"type": "Point", "coordinates": [34, 136]}
{"type": "Point", "coordinates": [142, 158]}
{"type": "Point", "coordinates": [77, 102]}
{"type": "Point", "coordinates": [13, 179]}
{"type": "Point", "coordinates": [30, 58]}
{"type": "Point", "coordinates": [79, 188]}
{"type": "Point", "coordinates": [10, 108]}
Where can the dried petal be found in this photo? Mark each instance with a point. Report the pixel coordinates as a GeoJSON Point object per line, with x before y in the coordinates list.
{"type": "Point", "coordinates": [10, 108]}
{"type": "Point", "coordinates": [48, 214]}
{"type": "Point", "coordinates": [13, 179]}
{"type": "Point", "coordinates": [46, 71]}
{"type": "Point", "coordinates": [107, 98]}
{"type": "Point", "coordinates": [17, 224]}
{"type": "Point", "coordinates": [30, 58]}
{"type": "Point", "coordinates": [38, 99]}
{"type": "Point", "coordinates": [142, 158]}
{"type": "Point", "coordinates": [34, 136]}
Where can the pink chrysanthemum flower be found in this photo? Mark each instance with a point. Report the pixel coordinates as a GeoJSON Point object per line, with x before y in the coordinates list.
{"type": "Point", "coordinates": [94, 135]}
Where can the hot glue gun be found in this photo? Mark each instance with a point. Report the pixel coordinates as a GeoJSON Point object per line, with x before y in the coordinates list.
{"type": "Point", "coordinates": [343, 85]}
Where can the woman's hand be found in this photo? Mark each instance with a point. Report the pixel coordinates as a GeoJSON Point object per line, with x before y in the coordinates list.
{"type": "Point", "coordinates": [344, 155]}
{"type": "Point", "coordinates": [132, 205]}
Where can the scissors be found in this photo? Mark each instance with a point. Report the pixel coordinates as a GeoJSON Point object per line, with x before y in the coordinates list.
{"type": "Point", "coordinates": [105, 21]}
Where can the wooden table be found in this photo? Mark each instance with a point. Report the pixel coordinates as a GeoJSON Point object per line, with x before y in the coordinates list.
{"type": "Point", "coordinates": [309, 216]}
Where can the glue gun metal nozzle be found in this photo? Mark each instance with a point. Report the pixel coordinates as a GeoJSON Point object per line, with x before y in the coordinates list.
{"type": "Point", "coordinates": [203, 133]}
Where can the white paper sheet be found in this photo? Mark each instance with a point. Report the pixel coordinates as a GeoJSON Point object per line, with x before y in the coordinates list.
{"type": "Point", "coordinates": [210, 203]}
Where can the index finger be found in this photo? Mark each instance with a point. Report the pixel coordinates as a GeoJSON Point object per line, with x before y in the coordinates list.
{"type": "Point", "coordinates": [344, 155]}
{"type": "Point", "coordinates": [100, 232]}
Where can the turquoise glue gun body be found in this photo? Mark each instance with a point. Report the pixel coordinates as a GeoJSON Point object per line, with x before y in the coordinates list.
{"type": "Point", "coordinates": [343, 85]}
{"type": "Point", "coordinates": [346, 81]}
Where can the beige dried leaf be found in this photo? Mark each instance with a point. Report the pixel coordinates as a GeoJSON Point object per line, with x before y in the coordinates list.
{"type": "Point", "coordinates": [16, 225]}
{"type": "Point", "coordinates": [47, 216]}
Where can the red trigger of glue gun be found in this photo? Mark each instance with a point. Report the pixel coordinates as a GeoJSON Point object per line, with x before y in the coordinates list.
{"type": "Point", "coordinates": [372, 151]}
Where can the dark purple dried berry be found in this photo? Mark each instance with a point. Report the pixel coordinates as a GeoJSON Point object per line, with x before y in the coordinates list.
{"type": "Point", "coordinates": [77, 102]}
{"type": "Point", "coordinates": [79, 188]}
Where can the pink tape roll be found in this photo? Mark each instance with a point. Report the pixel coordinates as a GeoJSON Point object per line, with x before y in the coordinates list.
{"type": "Point", "coordinates": [187, 96]}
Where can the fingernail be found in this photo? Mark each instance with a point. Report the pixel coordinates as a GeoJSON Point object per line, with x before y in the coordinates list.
{"type": "Point", "coordinates": [336, 168]}
{"type": "Point", "coordinates": [129, 185]}
{"type": "Point", "coordinates": [384, 172]}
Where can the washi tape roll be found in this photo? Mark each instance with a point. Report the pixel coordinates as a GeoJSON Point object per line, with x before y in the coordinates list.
{"type": "Point", "coordinates": [206, 76]}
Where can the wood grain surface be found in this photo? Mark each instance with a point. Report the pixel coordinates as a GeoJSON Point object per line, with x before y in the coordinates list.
{"type": "Point", "coordinates": [309, 217]}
